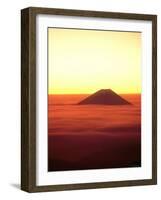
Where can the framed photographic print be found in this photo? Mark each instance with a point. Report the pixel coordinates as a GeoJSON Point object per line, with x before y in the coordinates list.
{"type": "Point", "coordinates": [88, 99]}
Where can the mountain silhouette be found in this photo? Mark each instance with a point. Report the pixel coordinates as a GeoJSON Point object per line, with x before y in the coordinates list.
{"type": "Point", "coordinates": [104, 97]}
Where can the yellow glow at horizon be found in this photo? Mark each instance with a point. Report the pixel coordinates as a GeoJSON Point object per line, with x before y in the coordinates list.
{"type": "Point", "coordinates": [84, 61]}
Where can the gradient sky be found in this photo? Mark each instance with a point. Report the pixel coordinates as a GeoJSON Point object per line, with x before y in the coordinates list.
{"type": "Point", "coordinates": [84, 61]}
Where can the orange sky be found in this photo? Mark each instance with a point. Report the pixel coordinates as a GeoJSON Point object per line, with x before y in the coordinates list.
{"type": "Point", "coordinates": [84, 61]}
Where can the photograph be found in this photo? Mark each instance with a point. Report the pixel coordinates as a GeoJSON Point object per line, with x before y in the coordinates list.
{"type": "Point", "coordinates": [88, 99]}
{"type": "Point", "coordinates": [94, 99]}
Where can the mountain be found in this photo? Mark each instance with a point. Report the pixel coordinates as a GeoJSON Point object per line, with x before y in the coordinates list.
{"type": "Point", "coordinates": [104, 97]}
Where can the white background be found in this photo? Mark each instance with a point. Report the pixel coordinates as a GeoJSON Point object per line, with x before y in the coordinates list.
{"type": "Point", "coordinates": [10, 99]}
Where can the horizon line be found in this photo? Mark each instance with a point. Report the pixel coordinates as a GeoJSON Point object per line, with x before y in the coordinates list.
{"type": "Point", "coordinates": [84, 93]}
